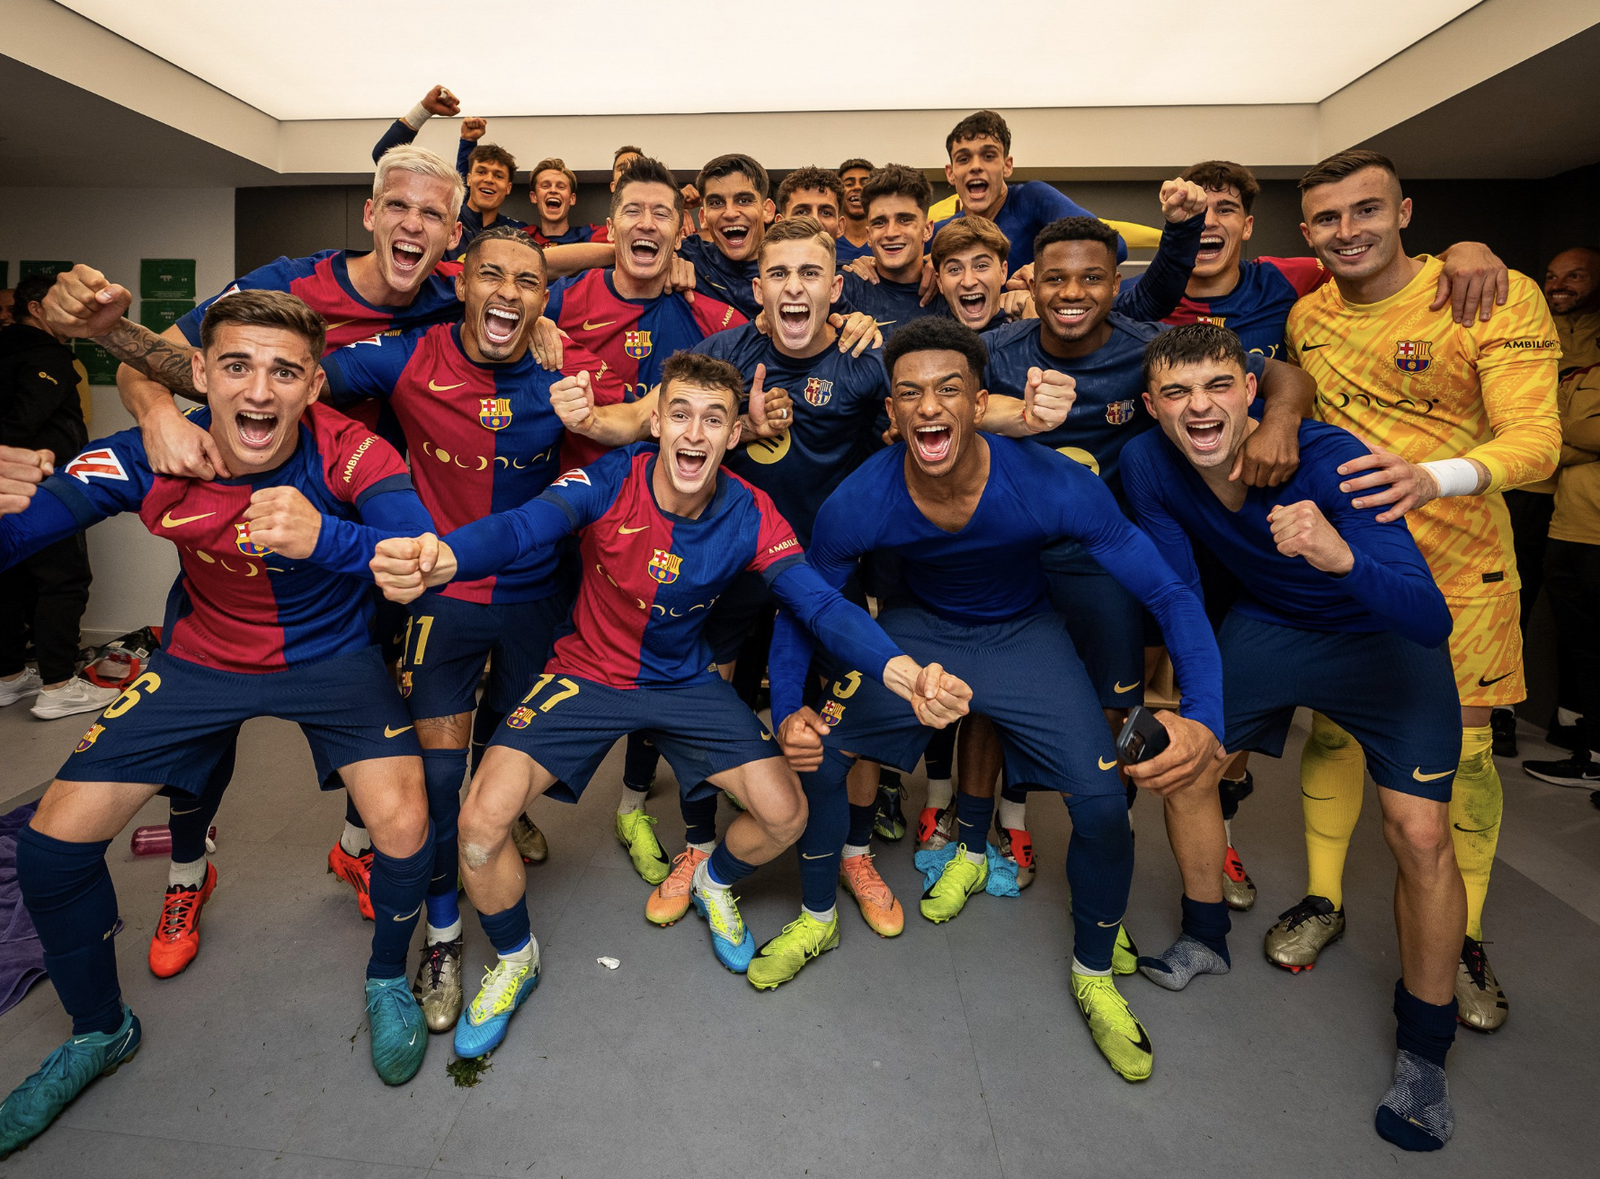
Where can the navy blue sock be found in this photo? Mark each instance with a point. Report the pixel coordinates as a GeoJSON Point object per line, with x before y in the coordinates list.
{"type": "Point", "coordinates": [1100, 873]}
{"type": "Point", "coordinates": [725, 867]}
{"type": "Point", "coordinates": [351, 815]}
{"type": "Point", "coordinates": [830, 817]}
{"type": "Point", "coordinates": [699, 818]}
{"type": "Point", "coordinates": [442, 772]}
{"type": "Point", "coordinates": [67, 888]}
{"type": "Point", "coordinates": [1425, 1029]}
{"type": "Point", "coordinates": [1208, 923]}
{"type": "Point", "coordinates": [940, 755]}
{"type": "Point", "coordinates": [190, 818]}
{"type": "Point", "coordinates": [973, 816]}
{"type": "Point", "coordinates": [398, 889]}
{"type": "Point", "coordinates": [639, 763]}
{"type": "Point", "coordinates": [509, 929]}
{"type": "Point", "coordinates": [860, 824]}
{"type": "Point", "coordinates": [484, 723]}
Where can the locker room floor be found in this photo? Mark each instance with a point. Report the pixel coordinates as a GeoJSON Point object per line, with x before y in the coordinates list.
{"type": "Point", "coordinates": [951, 1051]}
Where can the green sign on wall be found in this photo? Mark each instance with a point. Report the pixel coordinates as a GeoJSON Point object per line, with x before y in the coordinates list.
{"type": "Point", "coordinates": [160, 314]}
{"type": "Point", "coordinates": [98, 364]}
{"type": "Point", "coordinates": [33, 266]}
{"type": "Point", "coordinates": [166, 278]}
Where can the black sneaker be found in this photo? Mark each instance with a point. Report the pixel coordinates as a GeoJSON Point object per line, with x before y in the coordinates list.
{"type": "Point", "coordinates": [890, 825]}
{"type": "Point", "coordinates": [1577, 772]}
{"type": "Point", "coordinates": [1564, 736]}
{"type": "Point", "coordinates": [1503, 732]}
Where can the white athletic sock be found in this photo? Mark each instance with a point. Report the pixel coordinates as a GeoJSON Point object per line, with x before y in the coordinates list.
{"type": "Point", "coordinates": [188, 875]}
{"type": "Point", "coordinates": [851, 849]}
{"type": "Point", "coordinates": [708, 848]}
{"type": "Point", "coordinates": [1013, 814]}
{"type": "Point", "coordinates": [978, 857]}
{"type": "Point", "coordinates": [1566, 716]}
{"type": "Point", "coordinates": [631, 800]}
{"type": "Point", "coordinates": [1080, 968]}
{"type": "Point", "coordinates": [704, 879]}
{"type": "Point", "coordinates": [940, 792]}
{"type": "Point", "coordinates": [353, 839]}
{"type": "Point", "coordinates": [1227, 826]}
{"type": "Point", "coordinates": [448, 934]}
{"type": "Point", "coordinates": [825, 918]}
{"type": "Point", "coordinates": [527, 954]}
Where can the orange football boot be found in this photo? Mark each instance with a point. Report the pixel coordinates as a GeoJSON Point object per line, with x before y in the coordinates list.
{"type": "Point", "coordinates": [177, 937]}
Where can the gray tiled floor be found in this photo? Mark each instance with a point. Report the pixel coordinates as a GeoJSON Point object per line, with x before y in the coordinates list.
{"type": "Point", "coordinates": [954, 1050]}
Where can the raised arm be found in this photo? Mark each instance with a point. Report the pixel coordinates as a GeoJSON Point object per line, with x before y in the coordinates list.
{"type": "Point", "coordinates": [437, 101]}
{"type": "Point", "coordinates": [1160, 288]}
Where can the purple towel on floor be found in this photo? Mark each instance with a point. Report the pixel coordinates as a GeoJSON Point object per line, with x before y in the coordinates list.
{"type": "Point", "coordinates": [21, 956]}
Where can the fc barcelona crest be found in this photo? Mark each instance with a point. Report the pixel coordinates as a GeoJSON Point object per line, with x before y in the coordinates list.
{"type": "Point", "coordinates": [1215, 320]}
{"type": "Point", "coordinates": [405, 683]}
{"type": "Point", "coordinates": [241, 539]}
{"type": "Point", "coordinates": [1413, 356]}
{"type": "Point", "coordinates": [89, 738]}
{"type": "Point", "coordinates": [494, 413]}
{"type": "Point", "coordinates": [832, 713]}
{"type": "Point", "coordinates": [636, 344]}
{"type": "Point", "coordinates": [818, 391]}
{"type": "Point", "coordinates": [1120, 413]}
{"type": "Point", "coordinates": [664, 566]}
{"type": "Point", "coordinates": [519, 718]}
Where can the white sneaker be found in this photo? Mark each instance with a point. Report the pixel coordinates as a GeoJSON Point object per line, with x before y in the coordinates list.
{"type": "Point", "coordinates": [25, 685]}
{"type": "Point", "coordinates": [74, 696]}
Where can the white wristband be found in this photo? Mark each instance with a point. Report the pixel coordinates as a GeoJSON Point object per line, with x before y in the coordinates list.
{"type": "Point", "coordinates": [1455, 476]}
{"type": "Point", "coordinates": [416, 116]}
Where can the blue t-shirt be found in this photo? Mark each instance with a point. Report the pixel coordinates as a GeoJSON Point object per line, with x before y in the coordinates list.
{"type": "Point", "coordinates": [1389, 588]}
{"type": "Point", "coordinates": [892, 304]}
{"type": "Point", "coordinates": [1030, 205]}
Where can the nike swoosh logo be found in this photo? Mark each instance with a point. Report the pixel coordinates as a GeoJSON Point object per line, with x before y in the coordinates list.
{"type": "Point", "coordinates": [339, 324]}
{"type": "Point", "coordinates": [589, 327]}
{"type": "Point", "coordinates": [1483, 683]}
{"type": "Point", "coordinates": [1421, 777]}
{"type": "Point", "coordinates": [445, 388]}
{"type": "Point", "coordinates": [410, 915]}
{"type": "Point", "coordinates": [1108, 924]}
{"type": "Point", "coordinates": [1107, 765]}
{"type": "Point", "coordinates": [167, 520]}
{"type": "Point", "coordinates": [190, 811]}
{"type": "Point", "coordinates": [621, 531]}
{"type": "Point", "coordinates": [1119, 687]}
{"type": "Point", "coordinates": [823, 856]}
{"type": "Point", "coordinates": [1311, 347]}
{"type": "Point", "coordinates": [1474, 830]}
{"type": "Point", "coordinates": [1316, 797]}
{"type": "Point", "coordinates": [388, 732]}
{"type": "Point", "coordinates": [766, 736]}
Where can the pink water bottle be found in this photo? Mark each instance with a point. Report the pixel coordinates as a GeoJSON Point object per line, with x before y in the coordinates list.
{"type": "Point", "coordinates": [156, 840]}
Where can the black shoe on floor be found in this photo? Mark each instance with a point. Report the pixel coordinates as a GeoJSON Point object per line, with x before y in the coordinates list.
{"type": "Point", "coordinates": [1577, 772]}
{"type": "Point", "coordinates": [1503, 732]}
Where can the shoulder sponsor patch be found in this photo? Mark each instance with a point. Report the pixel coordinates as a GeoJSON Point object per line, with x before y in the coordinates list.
{"type": "Point", "coordinates": [571, 477]}
{"type": "Point", "coordinates": [1530, 345]}
{"type": "Point", "coordinates": [97, 464]}
{"type": "Point", "coordinates": [355, 457]}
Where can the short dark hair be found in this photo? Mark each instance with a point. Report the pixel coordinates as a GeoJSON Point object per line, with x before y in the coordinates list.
{"type": "Point", "coordinates": [853, 163]}
{"type": "Point", "coordinates": [1344, 164]}
{"type": "Point", "coordinates": [504, 233]}
{"type": "Point", "coordinates": [270, 309]}
{"type": "Point", "coordinates": [1221, 175]}
{"type": "Point", "coordinates": [708, 372]}
{"type": "Point", "coordinates": [624, 150]}
{"type": "Point", "coordinates": [32, 289]}
{"type": "Point", "coordinates": [1076, 229]}
{"type": "Point", "coordinates": [553, 164]}
{"type": "Point", "coordinates": [810, 179]}
{"type": "Point", "coordinates": [934, 333]}
{"type": "Point", "coordinates": [493, 153]}
{"type": "Point", "coordinates": [735, 163]}
{"type": "Point", "coordinates": [645, 170]}
{"type": "Point", "coordinates": [897, 180]}
{"type": "Point", "coordinates": [1191, 343]}
{"type": "Point", "coordinates": [978, 124]}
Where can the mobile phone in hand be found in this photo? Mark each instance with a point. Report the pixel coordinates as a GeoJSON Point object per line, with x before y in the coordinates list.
{"type": "Point", "coordinates": [1142, 736]}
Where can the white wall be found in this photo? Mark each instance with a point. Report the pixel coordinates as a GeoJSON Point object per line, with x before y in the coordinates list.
{"type": "Point", "coordinates": [111, 230]}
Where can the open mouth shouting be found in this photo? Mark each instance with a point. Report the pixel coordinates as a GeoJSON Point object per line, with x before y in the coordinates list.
{"type": "Point", "coordinates": [1212, 246]}
{"type": "Point", "coordinates": [554, 205]}
{"type": "Point", "coordinates": [973, 307]}
{"type": "Point", "coordinates": [406, 257]}
{"type": "Point", "coordinates": [500, 325]}
{"type": "Point", "coordinates": [975, 192]}
{"type": "Point", "coordinates": [933, 441]}
{"type": "Point", "coordinates": [644, 252]}
{"type": "Point", "coordinates": [794, 317]}
{"type": "Point", "coordinates": [735, 238]}
{"type": "Point", "coordinates": [689, 464]}
{"type": "Point", "coordinates": [258, 431]}
{"type": "Point", "coordinates": [1204, 434]}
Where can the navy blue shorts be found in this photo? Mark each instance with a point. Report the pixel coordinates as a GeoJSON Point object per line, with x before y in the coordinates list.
{"type": "Point", "coordinates": [447, 641]}
{"type": "Point", "coordinates": [177, 720]}
{"type": "Point", "coordinates": [1396, 698]}
{"type": "Point", "coordinates": [1106, 622]}
{"type": "Point", "coordinates": [568, 724]}
{"type": "Point", "coordinates": [1025, 676]}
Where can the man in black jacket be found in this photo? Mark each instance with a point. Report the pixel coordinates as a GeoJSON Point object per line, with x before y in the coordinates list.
{"type": "Point", "coordinates": [40, 410]}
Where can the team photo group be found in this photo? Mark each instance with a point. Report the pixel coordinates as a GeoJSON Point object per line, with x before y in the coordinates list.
{"type": "Point", "coordinates": [939, 484]}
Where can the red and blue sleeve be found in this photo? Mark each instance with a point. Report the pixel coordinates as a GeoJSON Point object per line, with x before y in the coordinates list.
{"type": "Point", "coordinates": [368, 368]}
{"type": "Point", "coordinates": [1303, 274]}
{"type": "Point", "coordinates": [110, 477]}
{"type": "Point", "coordinates": [355, 462]}
{"type": "Point", "coordinates": [274, 276]}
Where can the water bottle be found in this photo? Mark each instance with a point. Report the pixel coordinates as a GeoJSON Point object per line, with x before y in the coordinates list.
{"type": "Point", "coordinates": [156, 840]}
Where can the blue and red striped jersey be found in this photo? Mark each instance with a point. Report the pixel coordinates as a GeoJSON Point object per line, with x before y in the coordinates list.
{"type": "Point", "coordinates": [574, 235]}
{"type": "Point", "coordinates": [1257, 310]}
{"type": "Point", "coordinates": [837, 401]}
{"type": "Point", "coordinates": [650, 578]}
{"type": "Point", "coordinates": [322, 281]}
{"type": "Point", "coordinates": [634, 336]}
{"type": "Point", "coordinates": [238, 606]}
{"type": "Point", "coordinates": [483, 437]}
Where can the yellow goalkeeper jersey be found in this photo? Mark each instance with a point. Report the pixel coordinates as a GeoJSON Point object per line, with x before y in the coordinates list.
{"type": "Point", "coordinates": [1410, 381]}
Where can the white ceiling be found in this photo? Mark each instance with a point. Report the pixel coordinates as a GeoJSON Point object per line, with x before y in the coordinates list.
{"type": "Point", "coordinates": [303, 59]}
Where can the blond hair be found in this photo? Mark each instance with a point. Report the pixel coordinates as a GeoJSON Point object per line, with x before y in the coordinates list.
{"type": "Point", "coordinates": [408, 157]}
